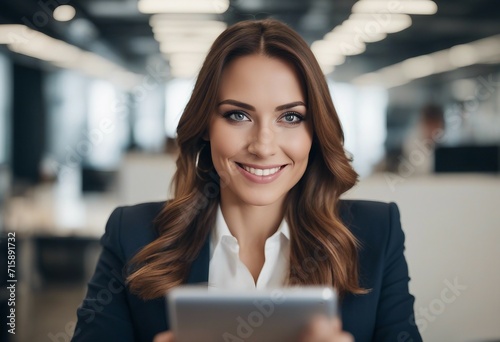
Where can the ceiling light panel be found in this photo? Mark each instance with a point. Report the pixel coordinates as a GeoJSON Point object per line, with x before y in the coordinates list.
{"type": "Point", "coordinates": [158, 20]}
{"type": "Point", "coordinates": [24, 40]}
{"type": "Point", "coordinates": [14, 33]}
{"type": "Point", "coordinates": [64, 13]}
{"type": "Point", "coordinates": [418, 67]}
{"type": "Point", "coordinates": [419, 7]}
{"type": "Point", "coordinates": [352, 33]}
{"type": "Point", "coordinates": [346, 47]}
{"type": "Point", "coordinates": [373, 24]}
{"type": "Point", "coordinates": [184, 6]}
{"type": "Point", "coordinates": [479, 51]}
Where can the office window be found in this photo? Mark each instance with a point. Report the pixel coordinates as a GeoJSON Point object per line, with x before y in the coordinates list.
{"type": "Point", "coordinates": [149, 120]}
{"type": "Point", "coordinates": [178, 92]}
{"type": "Point", "coordinates": [106, 132]}
{"type": "Point", "coordinates": [362, 112]}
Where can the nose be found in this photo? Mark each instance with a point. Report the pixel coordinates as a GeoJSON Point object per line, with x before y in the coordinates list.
{"type": "Point", "coordinates": [263, 143]}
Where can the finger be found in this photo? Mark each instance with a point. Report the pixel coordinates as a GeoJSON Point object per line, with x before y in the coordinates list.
{"type": "Point", "coordinates": [324, 329]}
{"type": "Point", "coordinates": [336, 329]}
{"type": "Point", "coordinates": [344, 337]}
{"type": "Point", "coordinates": [336, 324]}
{"type": "Point", "coordinates": [318, 328]}
{"type": "Point", "coordinates": [319, 324]}
{"type": "Point", "coordinates": [164, 337]}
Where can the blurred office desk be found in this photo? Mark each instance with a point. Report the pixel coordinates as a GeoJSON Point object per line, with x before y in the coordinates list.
{"type": "Point", "coordinates": [44, 211]}
{"type": "Point", "coordinates": [452, 228]}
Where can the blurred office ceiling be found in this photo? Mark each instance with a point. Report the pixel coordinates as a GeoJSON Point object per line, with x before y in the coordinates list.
{"type": "Point", "coordinates": [119, 29]}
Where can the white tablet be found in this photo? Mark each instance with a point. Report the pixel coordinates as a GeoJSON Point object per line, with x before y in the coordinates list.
{"type": "Point", "coordinates": [200, 314]}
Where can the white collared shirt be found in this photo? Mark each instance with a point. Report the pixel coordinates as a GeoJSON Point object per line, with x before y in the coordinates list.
{"type": "Point", "coordinates": [226, 270]}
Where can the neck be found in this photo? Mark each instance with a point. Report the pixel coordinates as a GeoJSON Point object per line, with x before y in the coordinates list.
{"type": "Point", "coordinates": [252, 225]}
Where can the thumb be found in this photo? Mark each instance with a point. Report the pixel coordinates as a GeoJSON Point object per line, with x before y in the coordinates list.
{"type": "Point", "coordinates": [164, 337]}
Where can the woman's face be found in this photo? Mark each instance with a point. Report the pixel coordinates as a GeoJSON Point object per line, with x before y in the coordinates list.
{"type": "Point", "coordinates": [260, 134]}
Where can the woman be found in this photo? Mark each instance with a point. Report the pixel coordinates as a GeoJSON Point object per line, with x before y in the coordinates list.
{"type": "Point", "coordinates": [256, 204]}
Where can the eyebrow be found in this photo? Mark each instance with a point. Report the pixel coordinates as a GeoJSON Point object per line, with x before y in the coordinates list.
{"type": "Point", "coordinates": [250, 107]}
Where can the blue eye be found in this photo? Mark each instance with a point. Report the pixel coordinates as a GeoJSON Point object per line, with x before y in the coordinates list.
{"type": "Point", "coordinates": [236, 116]}
{"type": "Point", "coordinates": [292, 118]}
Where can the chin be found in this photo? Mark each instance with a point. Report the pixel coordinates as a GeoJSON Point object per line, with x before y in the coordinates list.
{"type": "Point", "coordinates": [260, 199]}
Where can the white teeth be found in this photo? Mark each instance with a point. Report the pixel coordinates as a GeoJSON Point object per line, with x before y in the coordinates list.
{"type": "Point", "coordinates": [261, 172]}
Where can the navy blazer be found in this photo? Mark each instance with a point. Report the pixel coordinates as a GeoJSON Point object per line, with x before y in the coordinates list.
{"type": "Point", "coordinates": [110, 312]}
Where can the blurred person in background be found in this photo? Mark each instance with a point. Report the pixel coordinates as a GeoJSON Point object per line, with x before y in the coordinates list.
{"type": "Point", "coordinates": [420, 144]}
{"type": "Point", "coordinates": [259, 175]}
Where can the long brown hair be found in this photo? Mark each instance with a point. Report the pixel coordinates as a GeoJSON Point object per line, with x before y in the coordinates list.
{"type": "Point", "coordinates": [323, 250]}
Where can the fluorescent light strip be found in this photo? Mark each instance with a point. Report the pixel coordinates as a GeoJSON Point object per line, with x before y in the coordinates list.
{"type": "Point", "coordinates": [327, 68]}
{"type": "Point", "coordinates": [463, 55]}
{"type": "Point", "coordinates": [419, 7]}
{"type": "Point", "coordinates": [194, 28]}
{"type": "Point", "coordinates": [185, 46]}
{"type": "Point", "coordinates": [418, 67]}
{"type": "Point", "coordinates": [185, 41]}
{"type": "Point", "coordinates": [157, 22]}
{"type": "Point", "coordinates": [182, 59]}
{"type": "Point", "coordinates": [384, 17]}
{"type": "Point", "coordinates": [378, 23]}
{"type": "Point", "coordinates": [343, 34]}
{"type": "Point", "coordinates": [184, 6]}
{"type": "Point", "coordinates": [64, 13]}
{"type": "Point", "coordinates": [13, 33]}
{"type": "Point", "coordinates": [182, 19]}
{"type": "Point", "coordinates": [479, 51]}
{"type": "Point", "coordinates": [332, 60]}
{"type": "Point", "coordinates": [21, 39]}
{"type": "Point", "coordinates": [186, 34]}
{"type": "Point", "coordinates": [344, 47]}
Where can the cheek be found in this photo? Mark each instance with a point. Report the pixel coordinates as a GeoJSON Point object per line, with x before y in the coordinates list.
{"type": "Point", "coordinates": [299, 146]}
{"type": "Point", "coordinates": [224, 142]}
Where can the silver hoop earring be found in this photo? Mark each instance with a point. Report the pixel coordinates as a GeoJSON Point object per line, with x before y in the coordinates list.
{"type": "Point", "coordinates": [197, 159]}
{"type": "Point", "coordinates": [197, 162]}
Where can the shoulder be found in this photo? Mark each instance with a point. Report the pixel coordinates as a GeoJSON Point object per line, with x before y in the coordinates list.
{"type": "Point", "coordinates": [130, 228]}
{"type": "Point", "coordinates": [375, 224]}
{"type": "Point", "coordinates": [355, 212]}
{"type": "Point", "coordinates": [362, 210]}
{"type": "Point", "coordinates": [140, 213]}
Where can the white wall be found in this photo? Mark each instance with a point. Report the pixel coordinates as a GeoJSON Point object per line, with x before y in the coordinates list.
{"type": "Point", "coordinates": [145, 177]}
{"type": "Point", "coordinates": [452, 227]}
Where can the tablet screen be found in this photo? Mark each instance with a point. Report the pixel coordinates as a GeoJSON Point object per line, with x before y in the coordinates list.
{"type": "Point", "coordinates": [202, 314]}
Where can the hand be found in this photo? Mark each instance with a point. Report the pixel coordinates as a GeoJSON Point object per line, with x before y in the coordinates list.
{"type": "Point", "coordinates": [166, 336]}
{"type": "Point", "coordinates": [323, 329]}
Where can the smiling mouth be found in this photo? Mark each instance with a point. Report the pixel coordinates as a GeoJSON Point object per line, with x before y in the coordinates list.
{"type": "Point", "coordinates": [261, 172]}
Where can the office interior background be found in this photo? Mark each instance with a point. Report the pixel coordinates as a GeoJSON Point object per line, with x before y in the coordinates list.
{"type": "Point", "coordinates": [91, 91]}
